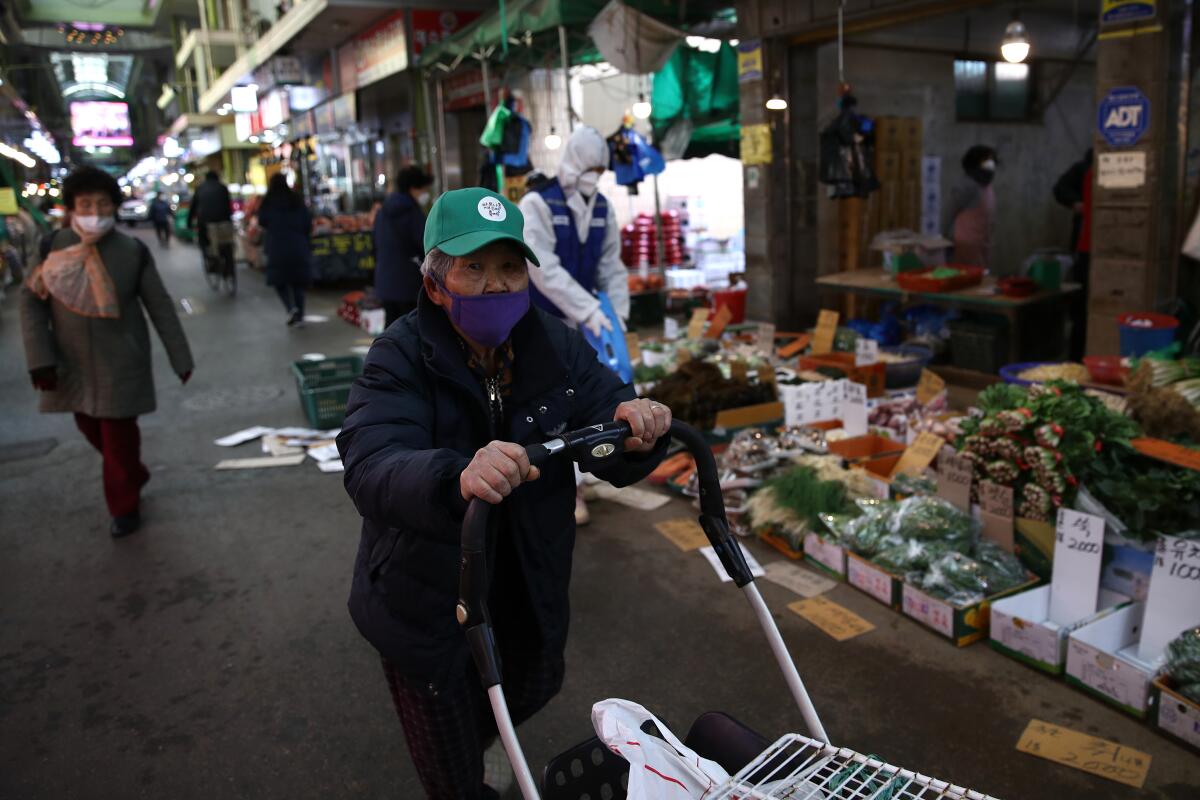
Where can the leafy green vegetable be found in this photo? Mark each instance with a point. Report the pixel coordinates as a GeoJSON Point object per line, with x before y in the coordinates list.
{"type": "Point", "coordinates": [1150, 497]}
{"type": "Point", "coordinates": [801, 491]}
{"type": "Point", "coordinates": [1183, 663]}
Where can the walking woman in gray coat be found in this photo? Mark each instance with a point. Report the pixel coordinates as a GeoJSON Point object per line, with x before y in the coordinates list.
{"type": "Point", "coordinates": [86, 341]}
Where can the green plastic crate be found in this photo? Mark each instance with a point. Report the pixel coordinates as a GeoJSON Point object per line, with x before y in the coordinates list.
{"type": "Point", "coordinates": [324, 387]}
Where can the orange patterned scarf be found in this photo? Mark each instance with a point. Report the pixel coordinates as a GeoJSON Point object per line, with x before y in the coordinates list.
{"type": "Point", "coordinates": [77, 278]}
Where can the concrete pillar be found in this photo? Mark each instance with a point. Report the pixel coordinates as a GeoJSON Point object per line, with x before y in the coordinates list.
{"type": "Point", "coordinates": [1135, 225]}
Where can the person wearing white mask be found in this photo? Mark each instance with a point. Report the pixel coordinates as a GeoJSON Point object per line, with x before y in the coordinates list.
{"type": "Point", "coordinates": [573, 230]}
{"type": "Point", "coordinates": [86, 341]}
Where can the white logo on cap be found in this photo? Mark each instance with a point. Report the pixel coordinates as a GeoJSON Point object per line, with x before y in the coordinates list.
{"type": "Point", "coordinates": [491, 209]}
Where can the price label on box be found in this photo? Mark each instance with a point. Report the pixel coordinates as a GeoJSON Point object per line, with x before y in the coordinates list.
{"type": "Point", "coordinates": [1088, 753]}
{"type": "Point", "coordinates": [919, 455]}
{"type": "Point", "coordinates": [1171, 605]}
{"type": "Point", "coordinates": [866, 352]}
{"type": "Point", "coordinates": [1075, 580]}
{"type": "Point", "coordinates": [927, 610]}
{"type": "Point", "coordinates": [996, 510]}
{"type": "Point", "coordinates": [854, 408]}
{"type": "Point", "coordinates": [765, 341]}
{"type": "Point", "coordinates": [696, 324]}
{"type": "Point", "coordinates": [825, 553]}
{"type": "Point", "coordinates": [869, 579]}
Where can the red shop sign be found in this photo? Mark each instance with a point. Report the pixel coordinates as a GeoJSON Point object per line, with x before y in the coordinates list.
{"type": "Point", "coordinates": [430, 26]}
{"type": "Point", "coordinates": [463, 89]}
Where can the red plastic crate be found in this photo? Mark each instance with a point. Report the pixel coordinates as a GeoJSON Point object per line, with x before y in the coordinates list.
{"type": "Point", "coordinates": [920, 281]}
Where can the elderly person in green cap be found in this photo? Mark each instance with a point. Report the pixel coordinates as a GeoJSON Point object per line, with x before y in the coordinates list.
{"type": "Point", "coordinates": [449, 396]}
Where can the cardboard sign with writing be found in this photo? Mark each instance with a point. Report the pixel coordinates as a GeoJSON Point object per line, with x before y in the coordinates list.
{"type": "Point", "coordinates": [866, 352]}
{"type": "Point", "coordinates": [996, 510]}
{"type": "Point", "coordinates": [670, 328]}
{"type": "Point", "coordinates": [1174, 597]}
{"type": "Point", "coordinates": [854, 409]}
{"type": "Point", "coordinates": [719, 321]}
{"type": "Point", "coordinates": [684, 532]}
{"type": "Point", "coordinates": [929, 387]}
{"type": "Point", "coordinates": [838, 621]}
{"type": "Point", "coordinates": [695, 328]}
{"type": "Point", "coordinates": [919, 455]}
{"type": "Point", "coordinates": [822, 341]}
{"type": "Point", "coordinates": [803, 582]}
{"type": "Point", "coordinates": [955, 474]}
{"type": "Point", "coordinates": [1075, 580]}
{"type": "Point", "coordinates": [633, 345]}
{"type": "Point", "coordinates": [1088, 753]}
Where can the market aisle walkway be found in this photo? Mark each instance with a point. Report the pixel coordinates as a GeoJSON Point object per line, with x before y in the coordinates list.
{"type": "Point", "coordinates": [211, 654]}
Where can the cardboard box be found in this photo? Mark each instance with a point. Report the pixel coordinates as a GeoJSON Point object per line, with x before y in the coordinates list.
{"type": "Point", "coordinates": [1021, 629]}
{"type": "Point", "coordinates": [1173, 714]}
{"type": "Point", "coordinates": [826, 555]}
{"type": "Point", "coordinates": [874, 581]}
{"type": "Point", "coordinates": [880, 469]}
{"type": "Point", "coordinates": [962, 625]}
{"type": "Point", "coordinates": [1102, 660]}
{"type": "Point", "coordinates": [873, 376]}
{"type": "Point", "coordinates": [888, 169]}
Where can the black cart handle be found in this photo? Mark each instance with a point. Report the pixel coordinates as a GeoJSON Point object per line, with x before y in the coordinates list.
{"type": "Point", "coordinates": [591, 447]}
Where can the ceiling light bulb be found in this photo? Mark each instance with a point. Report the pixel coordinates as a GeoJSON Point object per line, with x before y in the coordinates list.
{"type": "Point", "coordinates": [776, 103]}
{"type": "Point", "coordinates": [553, 140]}
{"type": "Point", "coordinates": [1015, 45]}
{"type": "Point", "coordinates": [641, 109]}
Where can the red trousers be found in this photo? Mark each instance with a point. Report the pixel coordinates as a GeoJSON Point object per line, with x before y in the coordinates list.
{"type": "Point", "coordinates": [120, 443]}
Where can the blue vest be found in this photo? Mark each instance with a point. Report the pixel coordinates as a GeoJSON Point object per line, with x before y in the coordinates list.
{"type": "Point", "coordinates": [579, 259]}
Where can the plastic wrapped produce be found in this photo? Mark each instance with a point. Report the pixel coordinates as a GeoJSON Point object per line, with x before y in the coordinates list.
{"type": "Point", "coordinates": [955, 578]}
{"type": "Point", "coordinates": [934, 519]}
{"type": "Point", "coordinates": [912, 555]}
{"type": "Point", "coordinates": [1183, 663]}
{"type": "Point", "coordinates": [1002, 569]}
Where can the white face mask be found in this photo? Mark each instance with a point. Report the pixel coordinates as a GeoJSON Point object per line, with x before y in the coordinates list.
{"type": "Point", "coordinates": [988, 165]}
{"type": "Point", "coordinates": [94, 225]}
{"type": "Point", "coordinates": [423, 199]}
{"type": "Point", "coordinates": [587, 183]}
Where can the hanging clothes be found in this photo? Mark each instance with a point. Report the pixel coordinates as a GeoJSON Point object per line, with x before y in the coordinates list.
{"type": "Point", "coordinates": [847, 147]}
{"type": "Point", "coordinates": [632, 158]}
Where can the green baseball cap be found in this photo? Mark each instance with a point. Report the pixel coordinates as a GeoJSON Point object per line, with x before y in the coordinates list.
{"type": "Point", "coordinates": [464, 220]}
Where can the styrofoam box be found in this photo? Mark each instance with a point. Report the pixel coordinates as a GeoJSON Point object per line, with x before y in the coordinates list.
{"type": "Point", "coordinates": [1021, 627]}
{"type": "Point", "coordinates": [1102, 659]}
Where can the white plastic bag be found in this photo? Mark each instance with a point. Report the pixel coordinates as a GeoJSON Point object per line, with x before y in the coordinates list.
{"type": "Point", "coordinates": [659, 769]}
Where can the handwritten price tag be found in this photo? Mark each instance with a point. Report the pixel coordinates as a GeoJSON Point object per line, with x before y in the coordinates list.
{"type": "Point", "coordinates": [685, 533]}
{"type": "Point", "coordinates": [854, 408]}
{"type": "Point", "coordinates": [670, 328]}
{"type": "Point", "coordinates": [838, 621]}
{"type": "Point", "coordinates": [1174, 594]}
{"type": "Point", "coordinates": [1097, 756]}
{"type": "Point", "coordinates": [695, 328]}
{"type": "Point", "coordinates": [955, 474]}
{"type": "Point", "coordinates": [866, 352]}
{"type": "Point", "coordinates": [919, 455]}
{"type": "Point", "coordinates": [803, 582]}
{"type": "Point", "coordinates": [719, 321]}
{"type": "Point", "coordinates": [1075, 580]}
{"type": "Point", "coordinates": [929, 386]}
{"type": "Point", "coordinates": [634, 346]}
{"type": "Point", "coordinates": [996, 511]}
{"type": "Point", "coordinates": [822, 341]}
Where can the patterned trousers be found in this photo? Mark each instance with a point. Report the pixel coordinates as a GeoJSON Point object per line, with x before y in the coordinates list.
{"type": "Point", "coordinates": [448, 727]}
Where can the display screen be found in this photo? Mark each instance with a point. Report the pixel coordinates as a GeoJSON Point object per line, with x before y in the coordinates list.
{"type": "Point", "coordinates": [96, 123]}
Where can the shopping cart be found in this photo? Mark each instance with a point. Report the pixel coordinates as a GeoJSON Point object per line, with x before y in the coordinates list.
{"type": "Point", "coordinates": [795, 767]}
{"type": "Point", "coordinates": [220, 263]}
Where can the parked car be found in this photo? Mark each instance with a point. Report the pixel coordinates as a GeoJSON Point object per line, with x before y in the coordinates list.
{"type": "Point", "coordinates": [134, 211]}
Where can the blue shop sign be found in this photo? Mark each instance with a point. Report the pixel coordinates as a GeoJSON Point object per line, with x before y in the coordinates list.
{"type": "Point", "coordinates": [1124, 116]}
{"type": "Point", "coordinates": [1113, 12]}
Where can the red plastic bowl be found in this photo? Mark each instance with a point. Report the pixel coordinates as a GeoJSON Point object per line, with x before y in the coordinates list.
{"type": "Point", "coordinates": [1106, 369]}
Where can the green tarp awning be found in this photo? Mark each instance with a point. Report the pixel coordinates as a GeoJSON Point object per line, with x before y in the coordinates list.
{"type": "Point", "coordinates": [701, 88]}
{"type": "Point", "coordinates": [520, 17]}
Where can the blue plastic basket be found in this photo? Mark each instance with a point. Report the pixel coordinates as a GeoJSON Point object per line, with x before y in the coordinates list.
{"type": "Point", "coordinates": [1010, 372]}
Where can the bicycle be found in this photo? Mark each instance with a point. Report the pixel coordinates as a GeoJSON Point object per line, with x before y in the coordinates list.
{"type": "Point", "coordinates": [220, 266]}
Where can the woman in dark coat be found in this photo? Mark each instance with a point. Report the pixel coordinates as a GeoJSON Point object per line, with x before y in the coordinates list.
{"type": "Point", "coordinates": [86, 341]}
{"type": "Point", "coordinates": [288, 226]}
{"type": "Point", "coordinates": [448, 399]}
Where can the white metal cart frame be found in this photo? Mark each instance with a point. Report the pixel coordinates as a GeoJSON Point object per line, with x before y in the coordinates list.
{"type": "Point", "coordinates": [795, 767]}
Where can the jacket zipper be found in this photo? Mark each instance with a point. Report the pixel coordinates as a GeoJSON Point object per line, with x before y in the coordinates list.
{"type": "Point", "coordinates": [495, 404]}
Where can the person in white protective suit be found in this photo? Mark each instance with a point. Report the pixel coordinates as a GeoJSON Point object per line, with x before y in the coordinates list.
{"type": "Point", "coordinates": [573, 230]}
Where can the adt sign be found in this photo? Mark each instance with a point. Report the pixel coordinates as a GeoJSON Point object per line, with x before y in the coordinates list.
{"type": "Point", "coordinates": [1124, 116]}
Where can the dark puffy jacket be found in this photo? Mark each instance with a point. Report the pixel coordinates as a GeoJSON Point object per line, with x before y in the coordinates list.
{"type": "Point", "coordinates": [287, 242]}
{"type": "Point", "coordinates": [414, 420]}
{"type": "Point", "coordinates": [210, 203]}
{"type": "Point", "coordinates": [399, 249]}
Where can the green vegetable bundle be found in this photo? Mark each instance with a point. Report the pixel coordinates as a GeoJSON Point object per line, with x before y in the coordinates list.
{"type": "Point", "coordinates": [1151, 498]}
{"type": "Point", "coordinates": [1183, 663]}
{"type": "Point", "coordinates": [1039, 440]}
{"type": "Point", "coordinates": [805, 494]}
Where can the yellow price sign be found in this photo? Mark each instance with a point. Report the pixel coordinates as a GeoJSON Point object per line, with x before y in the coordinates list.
{"type": "Point", "coordinates": [684, 532]}
{"type": "Point", "coordinates": [838, 621]}
{"type": "Point", "coordinates": [1088, 753]}
{"type": "Point", "coordinates": [756, 144]}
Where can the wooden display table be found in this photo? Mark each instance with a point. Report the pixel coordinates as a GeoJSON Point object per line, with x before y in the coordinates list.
{"type": "Point", "coordinates": [983, 298]}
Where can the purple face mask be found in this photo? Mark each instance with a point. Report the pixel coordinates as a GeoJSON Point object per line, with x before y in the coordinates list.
{"type": "Point", "coordinates": [487, 319]}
